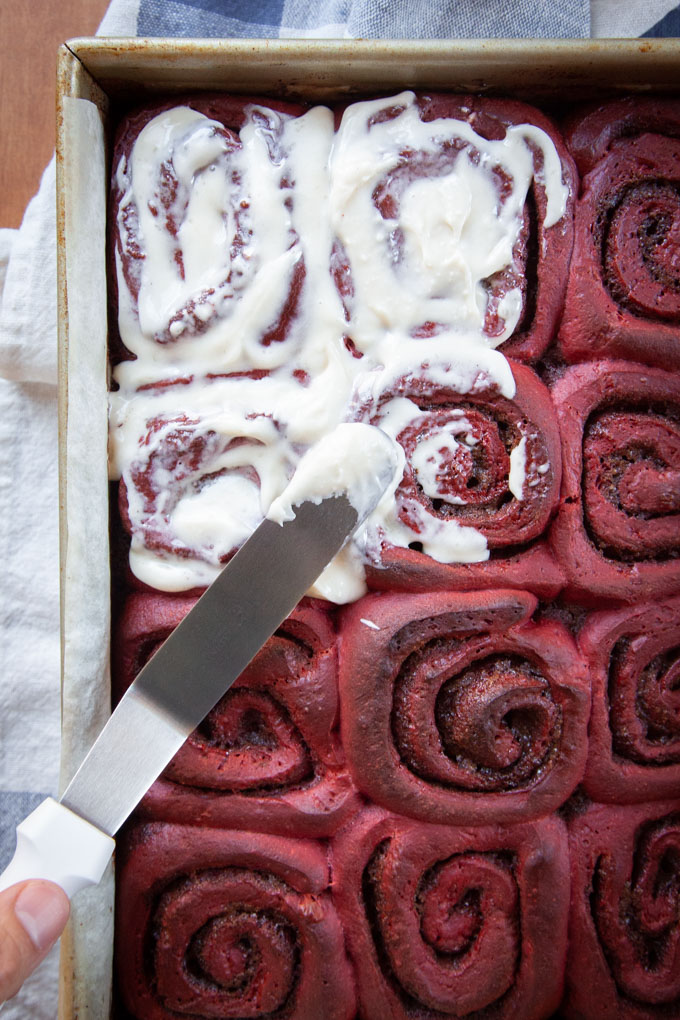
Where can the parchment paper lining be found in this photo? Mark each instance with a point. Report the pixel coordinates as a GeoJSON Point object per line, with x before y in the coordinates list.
{"type": "Point", "coordinates": [87, 947]}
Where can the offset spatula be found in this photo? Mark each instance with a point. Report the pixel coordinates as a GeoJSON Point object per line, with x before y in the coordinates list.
{"type": "Point", "coordinates": [70, 841]}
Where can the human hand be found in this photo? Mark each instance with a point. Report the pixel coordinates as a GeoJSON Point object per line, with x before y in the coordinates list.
{"type": "Point", "coordinates": [32, 916]}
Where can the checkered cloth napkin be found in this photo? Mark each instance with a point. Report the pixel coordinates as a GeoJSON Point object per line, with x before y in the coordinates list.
{"type": "Point", "coordinates": [29, 612]}
{"type": "Point", "coordinates": [393, 19]}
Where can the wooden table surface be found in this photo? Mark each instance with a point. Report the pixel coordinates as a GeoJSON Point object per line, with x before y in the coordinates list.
{"type": "Point", "coordinates": [30, 35]}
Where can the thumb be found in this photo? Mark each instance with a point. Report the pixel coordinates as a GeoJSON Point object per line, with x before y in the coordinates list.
{"type": "Point", "coordinates": [32, 916]}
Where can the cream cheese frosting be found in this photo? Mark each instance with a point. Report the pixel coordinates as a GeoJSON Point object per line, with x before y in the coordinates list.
{"type": "Point", "coordinates": [240, 329]}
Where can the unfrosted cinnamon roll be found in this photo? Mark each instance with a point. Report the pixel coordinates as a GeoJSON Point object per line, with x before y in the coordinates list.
{"type": "Point", "coordinates": [623, 298]}
{"type": "Point", "coordinates": [634, 735]}
{"type": "Point", "coordinates": [624, 950]}
{"type": "Point", "coordinates": [447, 921]}
{"type": "Point", "coordinates": [617, 532]}
{"type": "Point", "coordinates": [214, 923]}
{"type": "Point", "coordinates": [457, 709]}
{"type": "Point", "coordinates": [268, 752]}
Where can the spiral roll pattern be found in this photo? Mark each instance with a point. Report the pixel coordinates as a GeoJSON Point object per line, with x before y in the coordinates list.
{"type": "Point", "coordinates": [185, 228]}
{"type": "Point", "coordinates": [268, 750]}
{"type": "Point", "coordinates": [624, 958]}
{"type": "Point", "coordinates": [440, 920]}
{"type": "Point", "coordinates": [479, 460]}
{"type": "Point", "coordinates": [617, 533]}
{"type": "Point", "coordinates": [623, 296]}
{"type": "Point", "coordinates": [634, 661]}
{"type": "Point", "coordinates": [448, 715]}
{"type": "Point", "coordinates": [415, 205]}
{"type": "Point", "coordinates": [231, 931]}
{"type": "Point", "coordinates": [198, 484]}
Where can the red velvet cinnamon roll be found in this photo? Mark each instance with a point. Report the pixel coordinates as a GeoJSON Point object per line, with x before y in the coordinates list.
{"type": "Point", "coordinates": [267, 756]}
{"type": "Point", "coordinates": [406, 174]}
{"type": "Point", "coordinates": [196, 482]}
{"type": "Point", "coordinates": [623, 298]}
{"type": "Point", "coordinates": [444, 921]}
{"type": "Point", "coordinates": [634, 732]}
{"type": "Point", "coordinates": [624, 946]}
{"type": "Point", "coordinates": [481, 481]}
{"type": "Point", "coordinates": [457, 709]}
{"type": "Point", "coordinates": [208, 261]}
{"type": "Point", "coordinates": [617, 533]}
{"type": "Point", "coordinates": [227, 924]}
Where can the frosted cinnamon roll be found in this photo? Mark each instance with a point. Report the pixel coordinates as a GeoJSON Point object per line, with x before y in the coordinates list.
{"type": "Point", "coordinates": [199, 466]}
{"type": "Point", "coordinates": [480, 481]}
{"type": "Point", "coordinates": [451, 213]}
{"type": "Point", "coordinates": [216, 225]}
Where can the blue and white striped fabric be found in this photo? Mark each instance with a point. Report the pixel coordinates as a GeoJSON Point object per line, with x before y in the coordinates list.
{"type": "Point", "coordinates": [666, 27]}
{"type": "Point", "coordinates": [395, 19]}
{"type": "Point", "coordinates": [29, 626]}
{"type": "Point", "coordinates": [371, 19]}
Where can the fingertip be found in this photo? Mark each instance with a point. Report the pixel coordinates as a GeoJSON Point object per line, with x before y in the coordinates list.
{"type": "Point", "coordinates": [42, 909]}
{"type": "Point", "coordinates": [32, 916]}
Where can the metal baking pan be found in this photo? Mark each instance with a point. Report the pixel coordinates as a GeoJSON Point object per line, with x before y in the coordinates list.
{"type": "Point", "coordinates": [99, 78]}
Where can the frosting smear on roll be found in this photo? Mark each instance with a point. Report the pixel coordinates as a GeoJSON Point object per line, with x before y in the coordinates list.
{"type": "Point", "coordinates": [279, 281]}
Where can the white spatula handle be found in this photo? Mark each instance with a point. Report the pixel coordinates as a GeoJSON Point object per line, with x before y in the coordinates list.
{"type": "Point", "coordinates": [56, 844]}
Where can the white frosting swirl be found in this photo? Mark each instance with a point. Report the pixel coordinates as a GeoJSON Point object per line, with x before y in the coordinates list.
{"type": "Point", "coordinates": [230, 305]}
